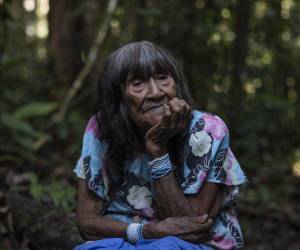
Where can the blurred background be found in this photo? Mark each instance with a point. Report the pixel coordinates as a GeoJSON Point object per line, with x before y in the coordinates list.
{"type": "Point", "coordinates": [240, 57]}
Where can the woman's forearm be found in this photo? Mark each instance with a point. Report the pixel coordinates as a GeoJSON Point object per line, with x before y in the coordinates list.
{"type": "Point", "coordinates": [91, 222]}
{"type": "Point", "coordinates": [171, 201]}
{"type": "Point", "coordinates": [95, 228]}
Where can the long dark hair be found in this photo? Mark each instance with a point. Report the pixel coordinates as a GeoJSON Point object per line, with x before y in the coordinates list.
{"type": "Point", "coordinates": [141, 59]}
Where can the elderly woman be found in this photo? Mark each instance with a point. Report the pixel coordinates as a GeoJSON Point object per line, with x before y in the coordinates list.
{"type": "Point", "coordinates": [155, 173]}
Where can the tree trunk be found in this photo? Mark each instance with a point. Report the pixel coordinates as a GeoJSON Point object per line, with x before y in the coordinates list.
{"type": "Point", "coordinates": [67, 38]}
{"type": "Point", "coordinates": [239, 55]}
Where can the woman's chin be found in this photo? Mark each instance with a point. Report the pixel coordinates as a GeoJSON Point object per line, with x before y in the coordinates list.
{"type": "Point", "coordinates": [148, 121]}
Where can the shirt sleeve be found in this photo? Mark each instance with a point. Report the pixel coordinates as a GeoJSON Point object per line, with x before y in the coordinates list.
{"type": "Point", "coordinates": [90, 165]}
{"type": "Point", "coordinates": [208, 157]}
{"type": "Point", "coordinates": [225, 168]}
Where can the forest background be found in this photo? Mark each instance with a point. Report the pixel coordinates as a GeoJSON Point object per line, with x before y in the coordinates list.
{"type": "Point", "coordinates": [240, 57]}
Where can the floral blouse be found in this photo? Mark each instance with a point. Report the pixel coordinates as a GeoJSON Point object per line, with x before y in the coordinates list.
{"type": "Point", "coordinates": [207, 157]}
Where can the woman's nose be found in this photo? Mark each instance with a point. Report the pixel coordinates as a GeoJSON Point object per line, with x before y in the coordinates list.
{"type": "Point", "coordinates": [154, 89]}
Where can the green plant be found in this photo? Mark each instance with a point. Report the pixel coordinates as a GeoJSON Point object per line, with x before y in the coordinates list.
{"type": "Point", "coordinates": [22, 130]}
{"type": "Point", "coordinates": [59, 192]}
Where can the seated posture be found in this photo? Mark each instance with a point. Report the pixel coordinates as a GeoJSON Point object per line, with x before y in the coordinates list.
{"type": "Point", "coordinates": [154, 173]}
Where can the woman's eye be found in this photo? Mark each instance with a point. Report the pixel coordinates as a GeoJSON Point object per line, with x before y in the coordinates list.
{"type": "Point", "coordinates": [162, 77]}
{"type": "Point", "coordinates": [137, 82]}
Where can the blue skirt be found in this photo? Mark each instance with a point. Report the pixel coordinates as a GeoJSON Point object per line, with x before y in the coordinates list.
{"type": "Point", "coordinates": [170, 243]}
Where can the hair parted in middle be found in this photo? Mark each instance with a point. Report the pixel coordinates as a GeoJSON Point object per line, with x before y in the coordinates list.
{"type": "Point", "coordinates": [142, 60]}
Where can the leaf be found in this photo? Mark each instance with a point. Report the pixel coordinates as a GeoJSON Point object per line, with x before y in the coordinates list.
{"type": "Point", "coordinates": [15, 124]}
{"type": "Point", "coordinates": [25, 142]}
{"type": "Point", "coordinates": [36, 189]}
{"type": "Point", "coordinates": [61, 194]}
{"type": "Point", "coordinates": [35, 109]}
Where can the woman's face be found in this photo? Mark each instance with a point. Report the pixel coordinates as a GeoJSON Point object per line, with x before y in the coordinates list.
{"type": "Point", "coordinates": [145, 98]}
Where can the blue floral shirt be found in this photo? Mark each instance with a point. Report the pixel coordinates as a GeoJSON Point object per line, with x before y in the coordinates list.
{"type": "Point", "coordinates": [207, 158]}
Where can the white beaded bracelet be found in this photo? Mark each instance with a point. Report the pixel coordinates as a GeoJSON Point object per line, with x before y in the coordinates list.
{"type": "Point", "coordinates": [134, 232]}
{"type": "Point", "coordinates": [160, 167]}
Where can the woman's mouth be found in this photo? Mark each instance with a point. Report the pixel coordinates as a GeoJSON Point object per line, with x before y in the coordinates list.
{"type": "Point", "coordinates": [154, 108]}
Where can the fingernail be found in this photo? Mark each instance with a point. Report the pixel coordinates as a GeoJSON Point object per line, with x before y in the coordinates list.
{"type": "Point", "coordinates": [204, 216]}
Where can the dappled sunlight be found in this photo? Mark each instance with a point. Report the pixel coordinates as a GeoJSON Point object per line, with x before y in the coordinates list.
{"type": "Point", "coordinates": [38, 27]}
{"type": "Point", "coordinates": [251, 86]}
{"type": "Point", "coordinates": [286, 6]}
{"type": "Point", "coordinates": [42, 7]}
{"type": "Point", "coordinates": [296, 163]}
{"type": "Point", "coordinates": [296, 169]}
{"type": "Point", "coordinates": [286, 36]}
{"type": "Point", "coordinates": [260, 9]}
{"type": "Point", "coordinates": [29, 5]}
{"type": "Point", "coordinates": [260, 57]}
{"type": "Point", "coordinates": [199, 4]}
{"type": "Point", "coordinates": [42, 28]}
{"type": "Point", "coordinates": [42, 22]}
{"type": "Point", "coordinates": [297, 42]}
{"type": "Point", "coordinates": [225, 13]}
{"type": "Point", "coordinates": [30, 29]}
{"type": "Point", "coordinates": [292, 93]}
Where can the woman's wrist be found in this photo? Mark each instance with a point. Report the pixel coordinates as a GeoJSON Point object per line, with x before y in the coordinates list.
{"type": "Point", "coordinates": [160, 167]}
{"type": "Point", "coordinates": [150, 231]}
{"type": "Point", "coordinates": [155, 150]}
{"type": "Point", "coordinates": [134, 232]}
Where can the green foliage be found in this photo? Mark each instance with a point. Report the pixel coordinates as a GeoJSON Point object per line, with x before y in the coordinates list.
{"type": "Point", "coordinates": [60, 193]}
{"type": "Point", "coordinates": [34, 110]}
{"type": "Point", "coordinates": [19, 127]}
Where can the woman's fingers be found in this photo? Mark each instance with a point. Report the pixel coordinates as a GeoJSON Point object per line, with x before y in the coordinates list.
{"type": "Point", "coordinates": [175, 118]}
{"type": "Point", "coordinates": [197, 225]}
{"type": "Point", "coordinates": [193, 229]}
{"type": "Point", "coordinates": [179, 113]}
{"type": "Point", "coordinates": [167, 115]}
{"type": "Point", "coordinates": [198, 229]}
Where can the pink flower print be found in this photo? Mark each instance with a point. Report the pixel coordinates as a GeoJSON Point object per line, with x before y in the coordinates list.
{"type": "Point", "coordinates": [148, 211]}
{"type": "Point", "coordinates": [215, 126]}
{"type": "Point", "coordinates": [230, 160]}
{"type": "Point", "coordinates": [221, 242]}
{"type": "Point", "coordinates": [93, 127]}
{"type": "Point", "coordinates": [228, 244]}
{"type": "Point", "coordinates": [202, 176]}
{"type": "Point", "coordinates": [218, 237]}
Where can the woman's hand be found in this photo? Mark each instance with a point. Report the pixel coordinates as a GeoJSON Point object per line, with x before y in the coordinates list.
{"type": "Point", "coordinates": [175, 118]}
{"type": "Point", "coordinates": [193, 229]}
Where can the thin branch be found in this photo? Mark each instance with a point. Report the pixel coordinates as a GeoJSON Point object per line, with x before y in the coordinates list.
{"type": "Point", "coordinates": [91, 59]}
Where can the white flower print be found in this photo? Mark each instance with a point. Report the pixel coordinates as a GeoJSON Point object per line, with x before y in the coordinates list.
{"type": "Point", "coordinates": [139, 197]}
{"type": "Point", "coordinates": [200, 142]}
